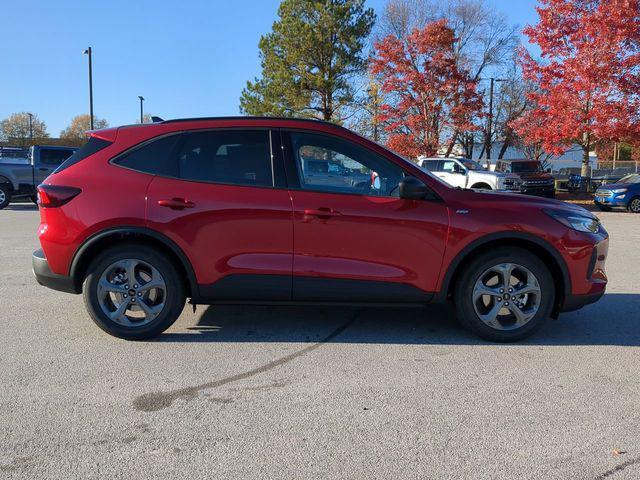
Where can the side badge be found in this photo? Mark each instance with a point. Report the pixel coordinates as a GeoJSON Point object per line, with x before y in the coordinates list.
{"type": "Point", "coordinates": [462, 211]}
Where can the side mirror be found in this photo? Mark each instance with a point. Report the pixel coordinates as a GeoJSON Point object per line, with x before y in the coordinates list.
{"type": "Point", "coordinates": [410, 188]}
{"type": "Point", "coordinates": [458, 169]}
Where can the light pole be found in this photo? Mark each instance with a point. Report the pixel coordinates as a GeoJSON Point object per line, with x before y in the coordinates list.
{"type": "Point", "coordinates": [141, 114]}
{"type": "Point", "coordinates": [88, 52]}
{"type": "Point", "coordinates": [487, 139]}
{"type": "Point", "coordinates": [30, 127]}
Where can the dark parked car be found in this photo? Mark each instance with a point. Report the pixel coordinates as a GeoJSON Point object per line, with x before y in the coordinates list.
{"type": "Point", "coordinates": [231, 210]}
{"type": "Point", "coordinates": [535, 180]}
{"type": "Point", "coordinates": [20, 174]}
{"type": "Point", "coordinates": [623, 194]}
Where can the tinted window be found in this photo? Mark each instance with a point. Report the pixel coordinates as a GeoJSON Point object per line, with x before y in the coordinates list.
{"type": "Point", "coordinates": [232, 156]}
{"type": "Point", "coordinates": [51, 156]}
{"type": "Point", "coordinates": [92, 146]}
{"type": "Point", "coordinates": [526, 167]}
{"type": "Point", "coordinates": [334, 165]}
{"type": "Point", "coordinates": [431, 165]}
{"type": "Point", "coordinates": [154, 157]}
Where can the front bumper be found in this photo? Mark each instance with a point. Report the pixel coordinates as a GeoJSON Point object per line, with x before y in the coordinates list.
{"type": "Point", "coordinates": [539, 190]}
{"type": "Point", "coordinates": [613, 200]}
{"type": "Point", "coordinates": [47, 278]}
{"type": "Point", "coordinates": [576, 302]}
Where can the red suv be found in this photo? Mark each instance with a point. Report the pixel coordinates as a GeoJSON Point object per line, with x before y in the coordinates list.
{"type": "Point", "coordinates": [259, 210]}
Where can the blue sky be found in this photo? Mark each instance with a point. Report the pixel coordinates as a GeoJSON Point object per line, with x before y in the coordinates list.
{"type": "Point", "coordinates": [187, 58]}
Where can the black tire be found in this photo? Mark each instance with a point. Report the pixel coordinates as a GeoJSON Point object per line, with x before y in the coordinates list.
{"type": "Point", "coordinates": [634, 205]}
{"type": "Point", "coordinates": [482, 186]}
{"type": "Point", "coordinates": [174, 300]}
{"type": "Point", "coordinates": [603, 208]}
{"type": "Point", "coordinates": [5, 195]}
{"type": "Point", "coordinates": [463, 294]}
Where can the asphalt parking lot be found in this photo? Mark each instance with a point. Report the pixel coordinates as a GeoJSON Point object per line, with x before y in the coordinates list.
{"type": "Point", "coordinates": [316, 392]}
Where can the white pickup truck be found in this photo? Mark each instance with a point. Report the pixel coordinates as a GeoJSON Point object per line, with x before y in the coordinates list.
{"type": "Point", "coordinates": [466, 173]}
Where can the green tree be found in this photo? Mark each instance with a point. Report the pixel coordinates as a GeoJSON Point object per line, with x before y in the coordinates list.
{"type": "Point", "coordinates": [18, 130]}
{"type": "Point", "coordinates": [310, 59]}
{"type": "Point", "coordinates": [74, 134]}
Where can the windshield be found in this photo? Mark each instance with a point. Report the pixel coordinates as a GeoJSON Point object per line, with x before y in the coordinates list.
{"type": "Point", "coordinates": [633, 178]}
{"type": "Point", "coordinates": [472, 165]}
{"type": "Point", "coordinates": [525, 167]}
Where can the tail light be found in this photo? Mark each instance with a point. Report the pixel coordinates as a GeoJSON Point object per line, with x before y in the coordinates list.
{"type": "Point", "coordinates": [55, 195]}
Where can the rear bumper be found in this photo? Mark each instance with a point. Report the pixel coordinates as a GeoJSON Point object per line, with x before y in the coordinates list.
{"type": "Point", "coordinates": [47, 278]}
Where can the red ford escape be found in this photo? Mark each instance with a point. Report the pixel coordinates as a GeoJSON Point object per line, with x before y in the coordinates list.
{"type": "Point", "coordinates": [242, 210]}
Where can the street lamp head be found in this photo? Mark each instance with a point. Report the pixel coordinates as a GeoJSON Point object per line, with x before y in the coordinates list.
{"type": "Point", "coordinates": [140, 97]}
{"type": "Point", "coordinates": [87, 51]}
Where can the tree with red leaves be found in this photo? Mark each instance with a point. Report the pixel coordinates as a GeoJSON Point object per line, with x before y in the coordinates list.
{"type": "Point", "coordinates": [588, 75]}
{"type": "Point", "coordinates": [427, 97]}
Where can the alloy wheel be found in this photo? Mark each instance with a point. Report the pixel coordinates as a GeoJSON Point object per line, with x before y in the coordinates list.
{"type": "Point", "coordinates": [131, 292]}
{"type": "Point", "coordinates": [634, 206]}
{"type": "Point", "coordinates": [506, 296]}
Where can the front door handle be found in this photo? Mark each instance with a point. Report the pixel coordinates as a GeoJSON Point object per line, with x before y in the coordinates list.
{"type": "Point", "coordinates": [322, 212]}
{"type": "Point", "coordinates": [176, 203]}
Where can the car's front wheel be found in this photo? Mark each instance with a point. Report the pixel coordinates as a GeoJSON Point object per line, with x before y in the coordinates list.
{"type": "Point", "coordinates": [634, 205]}
{"type": "Point", "coordinates": [133, 292]}
{"type": "Point", "coordinates": [504, 295]}
{"type": "Point", "coordinates": [5, 196]}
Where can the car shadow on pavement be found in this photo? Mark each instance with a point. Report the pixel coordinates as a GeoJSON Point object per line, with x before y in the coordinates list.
{"type": "Point", "coordinates": [21, 207]}
{"type": "Point", "coordinates": [614, 320]}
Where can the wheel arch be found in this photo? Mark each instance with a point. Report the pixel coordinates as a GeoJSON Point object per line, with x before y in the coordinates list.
{"type": "Point", "coordinates": [484, 185]}
{"type": "Point", "coordinates": [141, 235]}
{"type": "Point", "coordinates": [538, 246]}
{"type": "Point", "coordinates": [7, 181]}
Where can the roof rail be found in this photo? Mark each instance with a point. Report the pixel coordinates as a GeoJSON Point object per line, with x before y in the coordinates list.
{"type": "Point", "coordinates": [242, 117]}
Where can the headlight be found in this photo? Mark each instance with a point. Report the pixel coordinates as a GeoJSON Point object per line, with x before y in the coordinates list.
{"type": "Point", "coordinates": [575, 220]}
{"type": "Point", "coordinates": [619, 190]}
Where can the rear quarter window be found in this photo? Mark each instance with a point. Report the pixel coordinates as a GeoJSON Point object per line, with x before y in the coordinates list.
{"type": "Point", "coordinates": [156, 157]}
{"type": "Point", "coordinates": [92, 146]}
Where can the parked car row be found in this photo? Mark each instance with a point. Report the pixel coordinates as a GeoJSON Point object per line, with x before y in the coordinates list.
{"type": "Point", "coordinates": [22, 170]}
{"type": "Point", "coordinates": [518, 176]}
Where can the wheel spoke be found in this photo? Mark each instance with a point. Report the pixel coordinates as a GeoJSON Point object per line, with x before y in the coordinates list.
{"type": "Point", "coordinates": [150, 312]}
{"type": "Point", "coordinates": [522, 317]}
{"type": "Point", "coordinates": [131, 272]}
{"type": "Point", "coordinates": [111, 287]}
{"type": "Point", "coordinates": [119, 314]}
{"type": "Point", "coordinates": [155, 282]}
{"type": "Point", "coordinates": [491, 317]}
{"type": "Point", "coordinates": [505, 270]}
{"type": "Point", "coordinates": [481, 289]}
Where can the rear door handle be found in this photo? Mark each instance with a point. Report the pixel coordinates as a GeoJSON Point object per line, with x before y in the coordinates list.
{"type": "Point", "coordinates": [322, 212]}
{"type": "Point", "coordinates": [176, 203]}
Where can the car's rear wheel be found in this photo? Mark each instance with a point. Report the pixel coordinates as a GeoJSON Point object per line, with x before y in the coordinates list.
{"type": "Point", "coordinates": [5, 196]}
{"type": "Point", "coordinates": [133, 292]}
{"type": "Point", "coordinates": [634, 205]}
{"type": "Point", "coordinates": [505, 295]}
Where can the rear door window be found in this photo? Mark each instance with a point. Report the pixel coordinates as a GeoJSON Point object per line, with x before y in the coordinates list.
{"type": "Point", "coordinates": [235, 157]}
